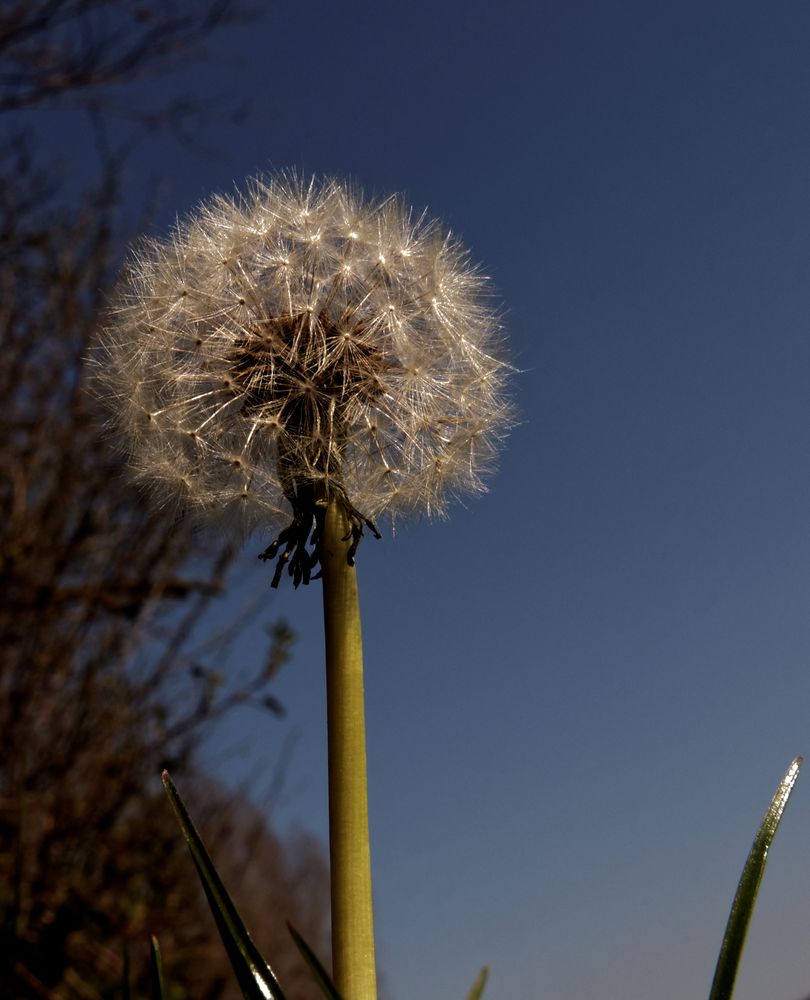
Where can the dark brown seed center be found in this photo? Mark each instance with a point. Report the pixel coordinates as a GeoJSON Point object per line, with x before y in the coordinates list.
{"type": "Point", "coordinates": [299, 364]}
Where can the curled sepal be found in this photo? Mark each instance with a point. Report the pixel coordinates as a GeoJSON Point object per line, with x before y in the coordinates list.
{"type": "Point", "coordinates": [322, 977]}
{"type": "Point", "coordinates": [255, 977]}
{"type": "Point", "coordinates": [743, 906]}
{"type": "Point", "coordinates": [156, 964]}
{"type": "Point", "coordinates": [478, 986]}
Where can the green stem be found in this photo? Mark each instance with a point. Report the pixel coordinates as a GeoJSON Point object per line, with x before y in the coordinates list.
{"type": "Point", "coordinates": [353, 966]}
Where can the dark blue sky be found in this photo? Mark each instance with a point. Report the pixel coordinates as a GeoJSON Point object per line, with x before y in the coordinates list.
{"type": "Point", "coordinates": [583, 688]}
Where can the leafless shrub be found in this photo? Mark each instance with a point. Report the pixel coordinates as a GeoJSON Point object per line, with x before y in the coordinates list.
{"type": "Point", "coordinates": [104, 674]}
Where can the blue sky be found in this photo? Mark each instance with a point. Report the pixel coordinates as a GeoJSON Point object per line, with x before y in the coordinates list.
{"type": "Point", "coordinates": [583, 688]}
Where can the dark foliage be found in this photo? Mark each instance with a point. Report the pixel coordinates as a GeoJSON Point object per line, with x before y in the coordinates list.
{"type": "Point", "coordinates": [106, 672]}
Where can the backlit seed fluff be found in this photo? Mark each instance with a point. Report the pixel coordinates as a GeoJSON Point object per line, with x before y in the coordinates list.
{"type": "Point", "coordinates": [298, 339]}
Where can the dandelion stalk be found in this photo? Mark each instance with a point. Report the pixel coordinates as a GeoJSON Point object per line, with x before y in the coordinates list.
{"type": "Point", "coordinates": [353, 967]}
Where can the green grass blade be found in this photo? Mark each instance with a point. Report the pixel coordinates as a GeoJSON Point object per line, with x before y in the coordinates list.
{"type": "Point", "coordinates": [255, 977]}
{"type": "Point", "coordinates": [743, 906]}
{"type": "Point", "coordinates": [479, 984]}
{"type": "Point", "coordinates": [158, 991]}
{"type": "Point", "coordinates": [322, 977]}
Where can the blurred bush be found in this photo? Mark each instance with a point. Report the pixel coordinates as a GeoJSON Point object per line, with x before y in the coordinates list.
{"type": "Point", "coordinates": [107, 662]}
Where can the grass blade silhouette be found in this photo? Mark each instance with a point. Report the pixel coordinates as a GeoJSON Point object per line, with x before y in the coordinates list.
{"type": "Point", "coordinates": [255, 977]}
{"type": "Point", "coordinates": [478, 986]}
{"type": "Point", "coordinates": [158, 989]}
{"type": "Point", "coordinates": [322, 977]}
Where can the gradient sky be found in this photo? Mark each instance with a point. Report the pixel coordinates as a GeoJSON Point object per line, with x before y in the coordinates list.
{"type": "Point", "coordinates": [583, 688]}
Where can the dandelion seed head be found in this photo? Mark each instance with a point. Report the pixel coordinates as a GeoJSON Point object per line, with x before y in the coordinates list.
{"type": "Point", "coordinates": [298, 336]}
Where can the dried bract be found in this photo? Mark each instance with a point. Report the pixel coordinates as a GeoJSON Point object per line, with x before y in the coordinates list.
{"type": "Point", "coordinates": [297, 345]}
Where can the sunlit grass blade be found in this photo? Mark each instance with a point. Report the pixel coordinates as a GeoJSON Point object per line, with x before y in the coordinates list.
{"type": "Point", "coordinates": [748, 887]}
{"type": "Point", "coordinates": [479, 984]}
{"type": "Point", "coordinates": [255, 977]}
{"type": "Point", "coordinates": [322, 977]}
{"type": "Point", "coordinates": [158, 991]}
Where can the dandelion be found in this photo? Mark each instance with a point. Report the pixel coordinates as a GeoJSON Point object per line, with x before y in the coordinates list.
{"type": "Point", "coordinates": [300, 358]}
{"type": "Point", "coordinates": [298, 345]}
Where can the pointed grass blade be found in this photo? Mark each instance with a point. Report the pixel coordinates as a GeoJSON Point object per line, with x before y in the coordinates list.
{"type": "Point", "coordinates": [156, 963]}
{"type": "Point", "coordinates": [743, 906]}
{"type": "Point", "coordinates": [255, 977]}
{"type": "Point", "coordinates": [322, 977]}
{"type": "Point", "coordinates": [479, 984]}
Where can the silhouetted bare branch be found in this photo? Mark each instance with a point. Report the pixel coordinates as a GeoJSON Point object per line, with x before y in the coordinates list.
{"type": "Point", "coordinates": [50, 49]}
